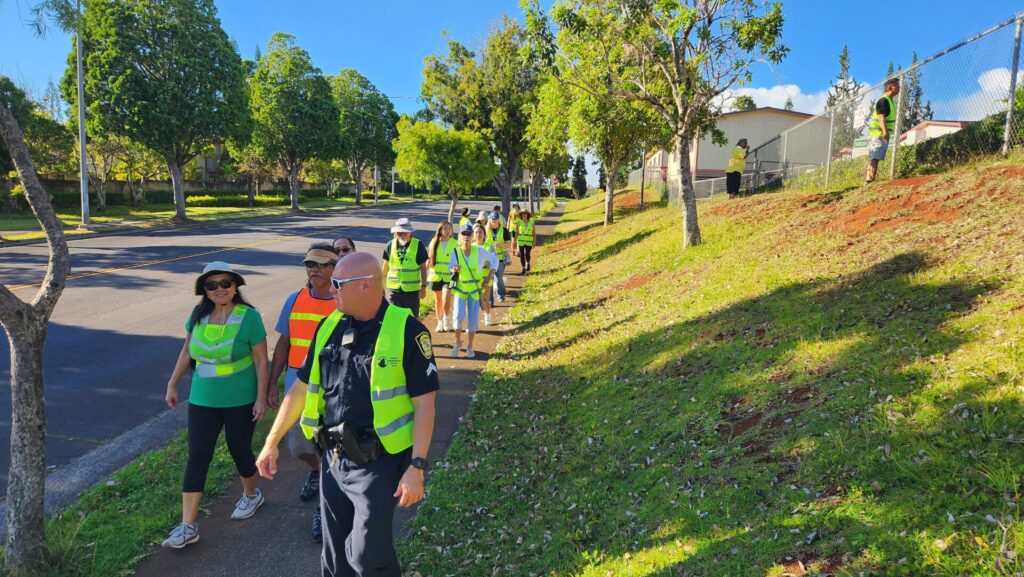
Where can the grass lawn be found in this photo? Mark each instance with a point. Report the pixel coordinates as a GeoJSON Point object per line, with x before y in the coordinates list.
{"type": "Point", "coordinates": [831, 384]}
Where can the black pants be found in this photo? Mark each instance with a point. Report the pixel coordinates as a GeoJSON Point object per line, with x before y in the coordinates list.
{"type": "Point", "coordinates": [524, 256]}
{"type": "Point", "coordinates": [204, 425]}
{"type": "Point", "coordinates": [357, 505]}
{"type": "Point", "coordinates": [409, 300]}
{"type": "Point", "coordinates": [732, 182]}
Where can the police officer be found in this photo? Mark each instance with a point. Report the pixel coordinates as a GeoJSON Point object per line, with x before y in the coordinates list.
{"type": "Point", "coordinates": [370, 403]}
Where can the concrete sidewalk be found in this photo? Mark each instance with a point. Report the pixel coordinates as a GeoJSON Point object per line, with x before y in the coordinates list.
{"type": "Point", "coordinates": [276, 541]}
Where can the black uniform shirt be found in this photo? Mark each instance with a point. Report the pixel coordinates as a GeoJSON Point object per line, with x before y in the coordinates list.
{"type": "Point", "coordinates": [345, 371]}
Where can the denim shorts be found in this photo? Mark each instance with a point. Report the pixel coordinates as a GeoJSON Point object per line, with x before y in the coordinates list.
{"type": "Point", "coordinates": [467, 313]}
{"type": "Point", "coordinates": [877, 148]}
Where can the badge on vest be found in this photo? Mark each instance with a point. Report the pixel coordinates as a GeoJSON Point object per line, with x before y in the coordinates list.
{"type": "Point", "coordinates": [426, 347]}
{"type": "Point", "coordinates": [385, 362]}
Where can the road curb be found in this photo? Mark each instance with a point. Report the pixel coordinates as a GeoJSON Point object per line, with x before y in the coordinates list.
{"type": "Point", "coordinates": [66, 484]}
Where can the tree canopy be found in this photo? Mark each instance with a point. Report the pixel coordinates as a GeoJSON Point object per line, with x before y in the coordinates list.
{"type": "Point", "coordinates": [367, 125]}
{"type": "Point", "coordinates": [294, 112]}
{"type": "Point", "coordinates": [164, 74]}
{"type": "Point", "coordinates": [744, 102]}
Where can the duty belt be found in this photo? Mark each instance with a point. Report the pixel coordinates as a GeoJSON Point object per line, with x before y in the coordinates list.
{"type": "Point", "coordinates": [359, 444]}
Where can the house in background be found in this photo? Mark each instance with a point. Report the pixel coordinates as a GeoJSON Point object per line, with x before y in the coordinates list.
{"type": "Point", "coordinates": [758, 126]}
{"type": "Point", "coordinates": [929, 129]}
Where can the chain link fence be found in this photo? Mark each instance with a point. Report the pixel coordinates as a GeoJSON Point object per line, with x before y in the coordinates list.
{"type": "Point", "coordinates": [959, 104]}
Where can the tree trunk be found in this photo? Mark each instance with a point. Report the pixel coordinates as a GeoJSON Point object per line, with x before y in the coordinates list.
{"type": "Point", "coordinates": [609, 193]}
{"type": "Point", "coordinates": [643, 173]}
{"type": "Point", "coordinates": [504, 181]}
{"type": "Point", "coordinates": [688, 199]}
{"type": "Point", "coordinates": [251, 190]}
{"type": "Point", "coordinates": [293, 183]}
{"type": "Point", "coordinates": [451, 207]}
{"type": "Point", "coordinates": [25, 324]}
{"type": "Point", "coordinates": [178, 186]}
{"type": "Point", "coordinates": [101, 195]}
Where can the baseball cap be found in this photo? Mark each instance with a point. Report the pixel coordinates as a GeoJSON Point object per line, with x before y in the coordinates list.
{"type": "Point", "coordinates": [466, 229]}
{"type": "Point", "coordinates": [494, 215]}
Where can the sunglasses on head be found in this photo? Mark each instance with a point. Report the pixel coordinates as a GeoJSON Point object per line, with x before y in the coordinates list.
{"type": "Point", "coordinates": [212, 285]}
{"type": "Point", "coordinates": [338, 282]}
{"type": "Point", "coordinates": [320, 265]}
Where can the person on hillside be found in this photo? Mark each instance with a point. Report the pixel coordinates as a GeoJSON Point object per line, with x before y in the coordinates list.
{"type": "Point", "coordinates": [734, 170]}
{"type": "Point", "coordinates": [405, 267]}
{"type": "Point", "coordinates": [437, 263]}
{"type": "Point", "coordinates": [498, 242]}
{"type": "Point", "coordinates": [526, 239]}
{"type": "Point", "coordinates": [344, 245]}
{"type": "Point", "coordinates": [302, 312]}
{"type": "Point", "coordinates": [467, 267]}
{"type": "Point", "coordinates": [491, 265]}
{"type": "Point", "coordinates": [513, 225]}
{"type": "Point", "coordinates": [881, 127]}
{"type": "Point", "coordinates": [227, 343]}
{"type": "Point", "coordinates": [465, 217]}
{"type": "Point", "coordinates": [366, 394]}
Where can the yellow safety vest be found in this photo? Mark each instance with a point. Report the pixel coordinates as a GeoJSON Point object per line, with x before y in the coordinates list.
{"type": "Point", "coordinates": [875, 129]}
{"type": "Point", "coordinates": [468, 283]}
{"type": "Point", "coordinates": [493, 237]}
{"type": "Point", "coordinates": [440, 271]}
{"type": "Point", "coordinates": [526, 232]}
{"type": "Point", "coordinates": [211, 345]}
{"type": "Point", "coordinates": [392, 407]}
{"type": "Point", "coordinates": [404, 274]}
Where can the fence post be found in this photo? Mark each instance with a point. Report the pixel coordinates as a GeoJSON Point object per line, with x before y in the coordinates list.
{"type": "Point", "coordinates": [785, 151]}
{"type": "Point", "coordinates": [899, 126]}
{"type": "Point", "coordinates": [1011, 99]}
{"type": "Point", "coordinates": [828, 159]}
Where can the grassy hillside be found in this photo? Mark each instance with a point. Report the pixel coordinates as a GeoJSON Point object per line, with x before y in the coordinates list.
{"type": "Point", "coordinates": [831, 384]}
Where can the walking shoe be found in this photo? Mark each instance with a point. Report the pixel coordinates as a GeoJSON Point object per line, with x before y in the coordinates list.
{"type": "Point", "coordinates": [311, 487]}
{"type": "Point", "coordinates": [487, 319]}
{"type": "Point", "coordinates": [470, 354]}
{"type": "Point", "coordinates": [447, 325]}
{"type": "Point", "coordinates": [440, 326]}
{"type": "Point", "coordinates": [182, 535]}
{"type": "Point", "coordinates": [318, 528]}
{"type": "Point", "coordinates": [501, 299]}
{"type": "Point", "coordinates": [455, 351]}
{"type": "Point", "coordinates": [246, 506]}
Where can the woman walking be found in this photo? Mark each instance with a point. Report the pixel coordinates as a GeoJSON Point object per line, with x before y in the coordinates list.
{"type": "Point", "coordinates": [513, 224]}
{"type": "Point", "coordinates": [526, 239]}
{"type": "Point", "coordinates": [466, 266]}
{"type": "Point", "coordinates": [227, 343]}
{"type": "Point", "coordinates": [490, 265]}
{"type": "Point", "coordinates": [438, 253]}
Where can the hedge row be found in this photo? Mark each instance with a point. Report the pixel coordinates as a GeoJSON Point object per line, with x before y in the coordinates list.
{"type": "Point", "coordinates": [72, 200]}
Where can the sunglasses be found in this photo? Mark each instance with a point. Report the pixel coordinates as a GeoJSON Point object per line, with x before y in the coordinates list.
{"type": "Point", "coordinates": [319, 265]}
{"type": "Point", "coordinates": [212, 285]}
{"type": "Point", "coordinates": [345, 249]}
{"type": "Point", "coordinates": [338, 282]}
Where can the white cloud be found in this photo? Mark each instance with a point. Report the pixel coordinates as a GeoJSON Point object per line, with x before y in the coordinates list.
{"type": "Point", "coordinates": [776, 96]}
{"type": "Point", "coordinates": [989, 97]}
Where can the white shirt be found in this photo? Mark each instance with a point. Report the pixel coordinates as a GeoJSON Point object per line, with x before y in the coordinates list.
{"type": "Point", "coordinates": [486, 260]}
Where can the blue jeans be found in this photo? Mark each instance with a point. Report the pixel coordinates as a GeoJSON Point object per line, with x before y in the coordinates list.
{"type": "Point", "coordinates": [499, 279]}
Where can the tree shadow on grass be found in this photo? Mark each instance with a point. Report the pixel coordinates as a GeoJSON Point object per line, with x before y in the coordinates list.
{"type": "Point", "coordinates": [706, 432]}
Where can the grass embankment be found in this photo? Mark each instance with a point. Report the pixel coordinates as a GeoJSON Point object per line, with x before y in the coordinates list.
{"type": "Point", "coordinates": [830, 384]}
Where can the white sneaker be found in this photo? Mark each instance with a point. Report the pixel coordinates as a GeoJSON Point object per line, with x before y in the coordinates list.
{"type": "Point", "coordinates": [470, 354]}
{"type": "Point", "coordinates": [440, 326]}
{"type": "Point", "coordinates": [246, 506]}
{"type": "Point", "coordinates": [487, 319]}
{"type": "Point", "coordinates": [447, 324]}
{"type": "Point", "coordinates": [455, 351]}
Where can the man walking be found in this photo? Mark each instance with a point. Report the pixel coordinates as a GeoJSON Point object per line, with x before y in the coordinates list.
{"type": "Point", "coordinates": [366, 393]}
{"type": "Point", "coordinates": [498, 241]}
{"type": "Point", "coordinates": [881, 127]}
{"type": "Point", "coordinates": [302, 311]}
{"type": "Point", "coordinates": [405, 267]}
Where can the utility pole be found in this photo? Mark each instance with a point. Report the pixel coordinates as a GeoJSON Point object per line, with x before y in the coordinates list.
{"type": "Point", "coordinates": [83, 166]}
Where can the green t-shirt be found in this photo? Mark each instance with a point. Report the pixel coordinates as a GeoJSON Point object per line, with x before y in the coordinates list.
{"type": "Point", "coordinates": [237, 389]}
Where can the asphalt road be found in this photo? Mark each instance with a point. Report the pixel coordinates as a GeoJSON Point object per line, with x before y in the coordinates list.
{"type": "Point", "coordinates": [119, 325]}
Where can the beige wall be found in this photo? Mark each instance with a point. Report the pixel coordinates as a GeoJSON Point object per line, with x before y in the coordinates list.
{"type": "Point", "coordinates": [757, 127]}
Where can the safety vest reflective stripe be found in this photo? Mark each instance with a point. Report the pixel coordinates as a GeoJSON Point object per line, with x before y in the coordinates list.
{"type": "Point", "coordinates": [440, 271]}
{"type": "Point", "coordinates": [210, 370]}
{"type": "Point", "coordinates": [212, 345]}
{"type": "Point", "coordinates": [466, 286]}
{"type": "Point", "coordinates": [307, 312]}
{"type": "Point", "coordinates": [874, 128]}
{"type": "Point", "coordinates": [404, 274]}
{"type": "Point", "coordinates": [526, 233]}
{"type": "Point", "coordinates": [393, 410]}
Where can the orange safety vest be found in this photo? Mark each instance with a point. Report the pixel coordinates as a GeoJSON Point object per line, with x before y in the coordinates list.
{"type": "Point", "coordinates": [307, 312]}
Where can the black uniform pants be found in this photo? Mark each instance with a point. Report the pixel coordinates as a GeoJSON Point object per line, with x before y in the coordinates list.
{"type": "Point", "coordinates": [358, 509]}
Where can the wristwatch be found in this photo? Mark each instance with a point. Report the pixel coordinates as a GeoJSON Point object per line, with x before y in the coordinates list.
{"type": "Point", "coordinates": [420, 463]}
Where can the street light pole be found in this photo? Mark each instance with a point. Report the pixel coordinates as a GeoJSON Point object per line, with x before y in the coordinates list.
{"type": "Point", "coordinates": [83, 167]}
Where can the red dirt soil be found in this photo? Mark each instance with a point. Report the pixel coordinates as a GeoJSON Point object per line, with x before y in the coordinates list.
{"type": "Point", "coordinates": [630, 200]}
{"type": "Point", "coordinates": [634, 282]}
{"type": "Point", "coordinates": [912, 182]}
{"type": "Point", "coordinates": [572, 240]}
{"type": "Point", "coordinates": [892, 213]}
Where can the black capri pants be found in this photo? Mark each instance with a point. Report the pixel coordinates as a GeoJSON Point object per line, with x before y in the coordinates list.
{"type": "Point", "coordinates": [732, 182]}
{"type": "Point", "coordinates": [204, 425]}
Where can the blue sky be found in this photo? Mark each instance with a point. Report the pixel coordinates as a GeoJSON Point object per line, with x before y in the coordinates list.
{"type": "Point", "coordinates": [387, 40]}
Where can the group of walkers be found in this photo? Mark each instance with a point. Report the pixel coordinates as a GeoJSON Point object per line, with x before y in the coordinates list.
{"type": "Point", "coordinates": [234, 381]}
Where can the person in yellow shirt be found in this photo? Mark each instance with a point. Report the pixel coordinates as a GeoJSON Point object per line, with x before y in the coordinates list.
{"type": "Point", "coordinates": [734, 170]}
